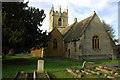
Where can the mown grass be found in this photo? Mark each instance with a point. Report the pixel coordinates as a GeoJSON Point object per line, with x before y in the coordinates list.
{"type": "Point", "coordinates": [56, 67]}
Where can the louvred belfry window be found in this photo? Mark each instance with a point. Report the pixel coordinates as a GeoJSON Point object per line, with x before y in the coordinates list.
{"type": "Point", "coordinates": [59, 22]}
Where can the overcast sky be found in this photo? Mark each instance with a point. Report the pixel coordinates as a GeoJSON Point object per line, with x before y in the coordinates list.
{"type": "Point", "coordinates": [106, 9]}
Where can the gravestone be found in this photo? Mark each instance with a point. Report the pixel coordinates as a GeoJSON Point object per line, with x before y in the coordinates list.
{"type": "Point", "coordinates": [40, 67]}
{"type": "Point", "coordinates": [88, 65]}
{"type": "Point", "coordinates": [83, 66]}
{"type": "Point", "coordinates": [34, 75]}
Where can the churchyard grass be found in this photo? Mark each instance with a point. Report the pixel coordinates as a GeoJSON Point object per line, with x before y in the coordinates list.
{"type": "Point", "coordinates": [56, 67]}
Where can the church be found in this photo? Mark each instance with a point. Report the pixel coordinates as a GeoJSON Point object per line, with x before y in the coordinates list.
{"type": "Point", "coordinates": [85, 39]}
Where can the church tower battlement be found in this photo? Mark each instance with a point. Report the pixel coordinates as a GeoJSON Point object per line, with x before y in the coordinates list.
{"type": "Point", "coordinates": [57, 19]}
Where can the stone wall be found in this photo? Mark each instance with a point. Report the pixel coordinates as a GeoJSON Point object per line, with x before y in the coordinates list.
{"type": "Point", "coordinates": [50, 51]}
{"type": "Point", "coordinates": [118, 50]}
{"type": "Point", "coordinates": [84, 46]}
{"type": "Point", "coordinates": [96, 28]}
{"type": "Point", "coordinates": [38, 52]}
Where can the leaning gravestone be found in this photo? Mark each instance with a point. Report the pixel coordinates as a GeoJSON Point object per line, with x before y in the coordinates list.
{"type": "Point", "coordinates": [89, 65]}
{"type": "Point", "coordinates": [83, 66]}
{"type": "Point", "coordinates": [40, 67]}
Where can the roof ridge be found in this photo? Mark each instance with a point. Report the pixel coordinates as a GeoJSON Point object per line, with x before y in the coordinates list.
{"type": "Point", "coordinates": [91, 17]}
{"type": "Point", "coordinates": [85, 22]}
{"type": "Point", "coordinates": [70, 28]}
{"type": "Point", "coordinates": [74, 24]}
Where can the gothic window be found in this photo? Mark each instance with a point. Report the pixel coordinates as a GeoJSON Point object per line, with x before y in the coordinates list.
{"type": "Point", "coordinates": [95, 42]}
{"type": "Point", "coordinates": [59, 22]}
{"type": "Point", "coordinates": [54, 43]}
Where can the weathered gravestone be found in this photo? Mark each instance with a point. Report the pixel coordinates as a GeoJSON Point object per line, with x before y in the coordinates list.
{"type": "Point", "coordinates": [88, 65]}
{"type": "Point", "coordinates": [83, 66]}
{"type": "Point", "coordinates": [40, 67]}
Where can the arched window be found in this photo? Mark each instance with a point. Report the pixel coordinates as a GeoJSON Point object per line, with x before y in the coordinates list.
{"type": "Point", "coordinates": [95, 42]}
{"type": "Point", "coordinates": [54, 43]}
{"type": "Point", "coordinates": [59, 22]}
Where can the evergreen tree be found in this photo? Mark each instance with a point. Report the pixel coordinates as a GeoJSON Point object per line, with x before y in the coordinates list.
{"type": "Point", "coordinates": [110, 30]}
{"type": "Point", "coordinates": [21, 26]}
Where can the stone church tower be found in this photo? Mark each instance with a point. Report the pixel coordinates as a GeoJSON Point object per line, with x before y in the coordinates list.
{"type": "Point", "coordinates": [57, 19]}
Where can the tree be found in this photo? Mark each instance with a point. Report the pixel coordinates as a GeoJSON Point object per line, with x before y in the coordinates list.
{"type": "Point", "coordinates": [110, 30]}
{"type": "Point", "coordinates": [21, 26]}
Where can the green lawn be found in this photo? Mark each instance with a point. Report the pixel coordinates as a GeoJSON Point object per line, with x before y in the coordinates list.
{"type": "Point", "coordinates": [56, 67]}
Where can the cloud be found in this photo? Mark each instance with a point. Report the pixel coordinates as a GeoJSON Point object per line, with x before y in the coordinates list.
{"type": "Point", "coordinates": [106, 9]}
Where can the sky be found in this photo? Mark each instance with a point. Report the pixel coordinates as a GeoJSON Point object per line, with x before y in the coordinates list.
{"type": "Point", "coordinates": [106, 9]}
{"type": "Point", "coordinates": [118, 21]}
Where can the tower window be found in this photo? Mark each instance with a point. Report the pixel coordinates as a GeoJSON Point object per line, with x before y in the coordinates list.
{"type": "Point", "coordinates": [59, 22]}
{"type": "Point", "coordinates": [95, 42]}
{"type": "Point", "coordinates": [54, 43]}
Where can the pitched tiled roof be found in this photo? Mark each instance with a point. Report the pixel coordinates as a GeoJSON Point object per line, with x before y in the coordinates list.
{"type": "Point", "coordinates": [64, 30]}
{"type": "Point", "coordinates": [61, 30]}
{"type": "Point", "coordinates": [75, 30]}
